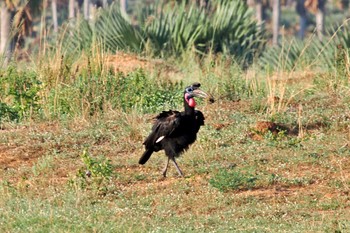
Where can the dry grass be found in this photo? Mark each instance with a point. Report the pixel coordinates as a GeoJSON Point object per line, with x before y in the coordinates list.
{"type": "Point", "coordinates": [310, 181]}
{"type": "Point", "coordinates": [297, 149]}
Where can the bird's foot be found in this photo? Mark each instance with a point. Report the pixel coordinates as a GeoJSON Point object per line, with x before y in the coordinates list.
{"type": "Point", "coordinates": [181, 174]}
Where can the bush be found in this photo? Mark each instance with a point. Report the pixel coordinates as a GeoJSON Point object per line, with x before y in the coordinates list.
{"type": "Point", "coordinates": [330, 54]}
{"type": "Point", "coordinates": [7, 113]}
{"type": "Point", "coordinates": [226, 26]}
{"type": "Point", "coordinates": [19, 94]}
{"type": "Point", "coordinates": [171, 29]}
{"type": "Point", "coordinates": [95, 175]}
{"type": "Point", "coordinates": [91, 94]}
{"type": "Point", "coordinates": [138, 91]}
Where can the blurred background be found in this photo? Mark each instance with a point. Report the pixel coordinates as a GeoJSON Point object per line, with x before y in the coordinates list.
{"type": "Point", "coordinates": [25, 24]}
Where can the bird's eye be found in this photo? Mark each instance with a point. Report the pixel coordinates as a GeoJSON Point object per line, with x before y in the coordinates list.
{"type": "Point", "coordinates": [189, 89]}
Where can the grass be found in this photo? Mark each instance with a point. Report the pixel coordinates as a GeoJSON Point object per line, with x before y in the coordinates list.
{"type": "Point", "coordinates": [73, 166]}
{"type": "Point", "coordinates": [282, 179]}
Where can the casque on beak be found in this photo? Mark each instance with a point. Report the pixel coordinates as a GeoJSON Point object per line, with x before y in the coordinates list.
{"type": "Point", "coordinates": [203, 94]}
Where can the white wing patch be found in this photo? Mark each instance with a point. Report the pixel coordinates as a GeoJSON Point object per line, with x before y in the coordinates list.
{"type": "Point", "coordinates": [160, 139]}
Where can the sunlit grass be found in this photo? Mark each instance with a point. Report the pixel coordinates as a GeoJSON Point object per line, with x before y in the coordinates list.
{"type": "Point", "coordinates": [73, 166]}
{"type": "Point", "coordinates": [302, 180]}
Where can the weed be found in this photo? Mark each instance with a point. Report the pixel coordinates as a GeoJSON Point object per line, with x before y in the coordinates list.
{"type": "Point", "coordinates": [140, 92]}
{"type": "Point", "coordinates": [43, 164]}
{"type": "Point", "coordinates": [7, 113]}
{"type": "Point", "coordinates": [95, 175]}
{"type": "Point", "coordinates": [91, 95]}
{"type": "Point", "coordinates": [231, 179]}
{"type": "Point", "coordinates": [275, 179]}
{"type": "Point", "coordinates": [19, 94]}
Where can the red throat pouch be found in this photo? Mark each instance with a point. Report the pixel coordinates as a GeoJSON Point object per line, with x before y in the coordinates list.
{"type": "Point", "coordinates": [192, 102]}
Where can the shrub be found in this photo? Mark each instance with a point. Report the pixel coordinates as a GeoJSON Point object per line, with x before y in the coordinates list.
{"type": "Point", "coordinates": [91, 94]}
{"type": "Point", "coordinates": [171, 29]}
{"type": "Point", "coordinates": [19, 94]}
{"type": "Point", "coordinates": [330, 54]}
{"type": "Point", "coordinates": [226, 26]}
{"type": "Point", "coordinates": [7, 113]}
{"type": "Point", "coordinates": [95, 175]}
{"type": "Point", "coordinates": [139, 91]}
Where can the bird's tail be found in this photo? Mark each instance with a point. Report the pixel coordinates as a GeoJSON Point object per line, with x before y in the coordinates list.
{"type": "Point", "coordinates": [145, 156]}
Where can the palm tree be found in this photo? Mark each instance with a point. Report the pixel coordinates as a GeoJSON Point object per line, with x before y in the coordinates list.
{"type": "Point", "coordinates": [71, 6]}
{"type": "Point", "coordinates": [124, 7]}
{"type": "Point", "coordinates": [301, 10]}
{"type": "Point", "coordinates": [320, 18]}
{"type": "Point", "coordinates": [276, 20]}
{"type": "Point", "coordinates": [16, 23]}
{"type": "Point", "coordinates": [5, 49]}
{"type": "Point", "coordinates": [202, 3]}
{"type": "Point", "coordinates": [104, 3]}
{"type": "Point", "coordinates": [54, 15]}
{"type": "Point", "coordinates": [317, 7]}
{"type": "Point", "coordinates": [86, 9]}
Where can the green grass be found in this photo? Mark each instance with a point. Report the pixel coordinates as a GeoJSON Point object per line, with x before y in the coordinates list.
{"type": "Point", "coordinates": [69, 161]}
{"type": "Point", "coordinates": [281, 179]}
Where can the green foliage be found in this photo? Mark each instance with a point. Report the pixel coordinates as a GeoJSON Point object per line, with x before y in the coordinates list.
{"type": "Point", "coordinates": [19, 94]}
{"type": "Point", "coordinates": [227, 29]}
{"type": "Point", "coordinates": [225, 79]}
{"type": "Point", "coordinates": [275, 179]}
{"type": "Point", "coordinates": [139, 91]}
{"type": "Point", "coordinates": [115, 32]}
{"type": "Point", "coordinates": [95, 174]}
{"type": "Point", "coordinates": [109, 29]}
{"type": "Point", "coordinates": [174, 29]}
{"type": "Point", "coordinates": [330, 54]}
{"type": "Point", "coordinates": [170, 30]}
{"type": "Point", "coordinates": [297, 54]}
{"type": "Point", "coordinates": [232, 179]}
{"type": "Point", "coordinates": [43, 165]}
{"type": "Point", "coordinates": [100, 168]}
{"type": "Point", "coordinates": [7, 113]}
{"type": "Point", "coordinates": [92, 94]}
{"type": "Point", "coordinates": [282, 57]}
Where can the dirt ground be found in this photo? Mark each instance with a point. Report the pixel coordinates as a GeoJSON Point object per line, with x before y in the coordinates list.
{"type": "Point", "coordinates": [19, 149]}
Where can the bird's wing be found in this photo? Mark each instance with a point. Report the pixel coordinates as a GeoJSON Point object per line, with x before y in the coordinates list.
{"type": "Point", "coordinates": [165, 124]}
{"type": "Point", "coordinates": [199, 117]}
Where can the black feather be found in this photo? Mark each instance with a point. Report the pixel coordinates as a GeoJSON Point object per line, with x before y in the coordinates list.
{"type": "Point", "coordinates": [174, 131]}
{"type": "Point", "coordinates": [145, 156]}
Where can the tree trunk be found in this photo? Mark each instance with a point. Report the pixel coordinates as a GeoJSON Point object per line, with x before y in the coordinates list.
{"type": "Point", "coordinates": [104, 3]}
{"type": "Point", "coordinates": [202, 3]}
{"type": "Point", "coordinates": [71, 6]}
{"type": "Point", "coordinates": [54, 15]}
{"type": "Point", "coordinates": [276, 21]}
{"type": "Point", "coordinates": [124, 7]}
{"type": "Point", "coordinates": [259, 8]}
{"type": "Point", "coordinates": [86, 9]}
{"type": "Point", "coordinates": [5, 40]}
{"type": "Point", "coordinates": [301, 10]}
{"type": "Point", "coordinates": [320, 18]}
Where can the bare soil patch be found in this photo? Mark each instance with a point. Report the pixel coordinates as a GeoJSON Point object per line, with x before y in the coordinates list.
{"type": "Point", "coordinates": [19, 148]}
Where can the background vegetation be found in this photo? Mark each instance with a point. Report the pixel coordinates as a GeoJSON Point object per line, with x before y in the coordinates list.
{"type": "Point", "coordinates": [274, 151]}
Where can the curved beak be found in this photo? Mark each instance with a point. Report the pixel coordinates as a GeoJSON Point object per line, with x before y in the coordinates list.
{"type": "Point", "coordinates": [203, 94]}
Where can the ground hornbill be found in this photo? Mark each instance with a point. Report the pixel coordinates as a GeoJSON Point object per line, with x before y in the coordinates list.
{"type": "Point", "coordinates": [174, 131]}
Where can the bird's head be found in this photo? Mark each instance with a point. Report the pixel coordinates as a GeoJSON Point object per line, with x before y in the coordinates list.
{"type": "Point", "coordinates": [194, 91]}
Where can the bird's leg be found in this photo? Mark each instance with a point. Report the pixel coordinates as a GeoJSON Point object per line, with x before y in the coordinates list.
{"type": "Point", "coordinates": [166, 167]}
{"type": "Point", "coordinates": [177, 167]}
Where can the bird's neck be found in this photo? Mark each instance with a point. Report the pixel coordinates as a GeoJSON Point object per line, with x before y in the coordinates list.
{"type": "Point", "coordinates": [188, 109]}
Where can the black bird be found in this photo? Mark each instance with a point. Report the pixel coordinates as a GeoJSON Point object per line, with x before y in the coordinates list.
{"type": "Point", "coordinates": [174, 131]}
